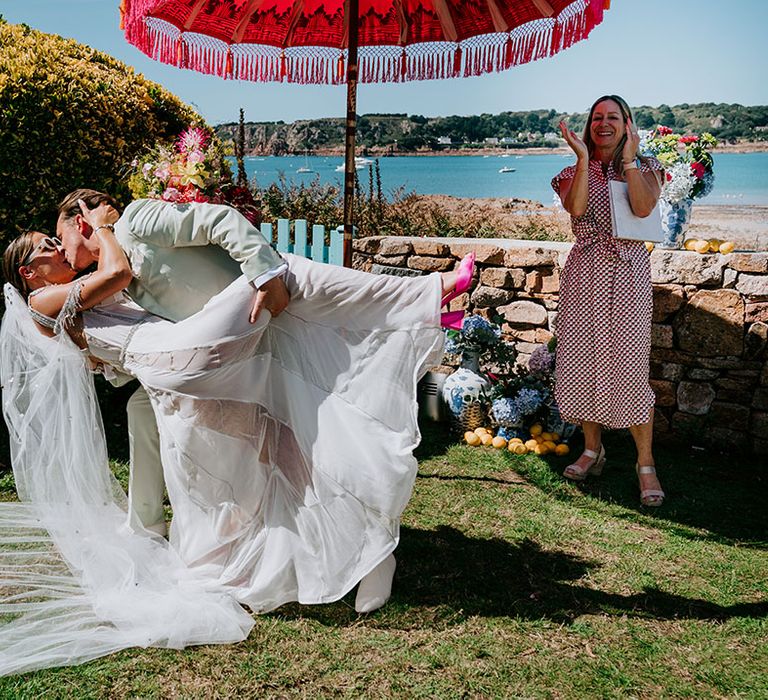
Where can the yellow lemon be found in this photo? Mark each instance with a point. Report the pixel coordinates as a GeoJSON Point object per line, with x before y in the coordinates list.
{"type": "Point", "coordinates": [555, 437]}
{"type": "Point", "coordinates": [714, 245]}
{"type": "Point", "coordinates": [562, 449]}
{"type": "Point", "coordinates": [486, 439]}
{"type": "Point", "coordinates": [546, 436]}
{"type": "Point", "coordinates": [519, 449]}
{"type": "Point", "coordinates": [649, 246]}
{"type": "Point", "coordinates": [701, 247]}
{"type": "Point", "coordinates": [727, 247]}
{"type": "Point", "coordinates": [499, 442]}
{"type": "Point", "coordinates": [541, 449]}
{"type": "Point", "coordinates": [471, 438]}
{"type": "Point", "coordinates": [549, 445]}
{"type": "Point", "coordinates": [481, 431]}
{"type": "Point", "coordinates": [531, 444]}
{"type": "Point", "coordinates": [517, 440]}
{"type": "Point", "coordinates": [690, 244]}
{"type": "Point", "coordinates": [539, 439]}
{"type": "Point", "coordinates": [536, 429]}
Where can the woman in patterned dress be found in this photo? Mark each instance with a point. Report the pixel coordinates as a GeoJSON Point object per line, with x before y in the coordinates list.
{"type": "Point", "coordinates": [604, 320]}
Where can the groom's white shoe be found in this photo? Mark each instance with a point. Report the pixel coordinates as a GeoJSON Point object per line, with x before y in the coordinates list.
{"type": "Point", "coordinates": [376, 587]}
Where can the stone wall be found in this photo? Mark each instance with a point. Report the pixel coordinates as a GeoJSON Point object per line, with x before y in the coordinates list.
{"type": "Point", "coordinates": [710, 323]}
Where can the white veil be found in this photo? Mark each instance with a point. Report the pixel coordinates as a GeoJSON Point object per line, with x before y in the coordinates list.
{"type": "Point", "coordinates": [75, 582]}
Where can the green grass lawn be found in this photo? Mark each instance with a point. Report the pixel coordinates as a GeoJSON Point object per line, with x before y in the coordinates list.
{"type": "Point", "coordinates": [511, 583]}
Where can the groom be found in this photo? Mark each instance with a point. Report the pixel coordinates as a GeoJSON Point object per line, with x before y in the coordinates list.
{"type": "Point", "coordinates": [181, 256]}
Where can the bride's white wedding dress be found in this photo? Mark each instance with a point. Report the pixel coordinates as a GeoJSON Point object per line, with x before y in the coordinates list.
{"type": "Point", "coordinates": [286, 446]}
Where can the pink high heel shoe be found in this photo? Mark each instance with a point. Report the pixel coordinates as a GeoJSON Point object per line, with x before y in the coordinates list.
{"type": "Point", "coordinates": [452, 319]}
{"type": "Point", "coordinates": [463, 278]}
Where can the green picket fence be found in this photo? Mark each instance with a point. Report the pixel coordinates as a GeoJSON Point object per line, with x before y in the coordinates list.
{"type": "Point", "coordinates": [305, 243]}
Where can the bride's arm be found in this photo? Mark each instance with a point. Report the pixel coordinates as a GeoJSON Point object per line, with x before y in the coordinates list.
{"type": "Point", "coordinates": [113, 272]}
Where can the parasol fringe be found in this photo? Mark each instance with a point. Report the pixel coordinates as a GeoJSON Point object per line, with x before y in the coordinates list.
{"type": "Point", "coordinates": [485, 54]}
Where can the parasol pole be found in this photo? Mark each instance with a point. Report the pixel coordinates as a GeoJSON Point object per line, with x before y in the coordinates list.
{"type": "Point", "coordinates": [351, 13]}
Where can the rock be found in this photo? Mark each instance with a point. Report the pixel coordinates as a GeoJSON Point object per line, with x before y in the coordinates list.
{"type": "Point", "coordinates": [684, 267]}
{"type": "Point", "coordinates": [527, 335]}
{"type": "Point", "coordinates": [392, 260]}
{"type": "Point", "coordinates": [429, 246]}
{"type": "Point", "coordinates": [703, 374]}
{"type": "Point", "coordinates": [543, 336]}
{"type": "Point", "coordinates": [756, 341]}
{"type": "Point", "coordinates": [753, 285]}
{"type": "Point", "coordinates": [748, 262]}
{"type": "Point", "coordinates": [712, 323]}
{"type": "Point", "coordinates": [729, 415]}
{"type": "Point", "coordinates": [502, 277]}
{"type": "Point", "coordinates": [422, 262]}
{"type": "Point", "coordinates": [394, 246]}
{"type": "Point", "coordinates": [721, 436]}
{"type": "Point", "coordinates": [757, 311]}
{"type": "Point", "coordinates": [759, 424]}
{"type": "Point", "coordinates": [689, 426]}
{"type": "Point", "coordinates": [526, 312]}
{"type": "Point", "coordinates": [760, 399]}
{"type": "Point", "coordinates": [526, 348]}
{"type": "Point", "coordinates": [671, 371]}
{"type": "Point", "coordinates": [661, 425]}
{"type": "Point", "coordinates": [733, 390]}
{"type": "Point", "coordinates": [729, 278]}
{"type": "Point", "coordinates": [665, 392]}
{"type": "Point", "coordinates": [491, 296]}
{"type": "Point", "coordinates": [361, 262]}
{"type": "Point", "coordinates": [661, 336]}
{"type": "Point", "coordinates": [540, 282]}
{"type": "Point", "coordinates": [367, 245]}
{"type": "Point", "coordinates": [667, 298]}
{"type": "Point", "coordinates": [529, 257]}
{"type": "Point", "coordinates": [486, 253]}
{"type": "Point", "coordinates": [695, 398]}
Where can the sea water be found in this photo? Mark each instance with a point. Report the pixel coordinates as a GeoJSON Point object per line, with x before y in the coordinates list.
{"type": "Point", "coordinates": [740, 178]}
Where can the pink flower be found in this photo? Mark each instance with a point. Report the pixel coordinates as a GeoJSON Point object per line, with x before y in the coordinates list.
{"type": "Point", "coordinates": [698, 170]}
{"type": "Point", "coordinates": [171, 194]}
{"type": "Point", "coordinates": [689, 139]}
{"type": "Point", "coordinates": [663, 130]}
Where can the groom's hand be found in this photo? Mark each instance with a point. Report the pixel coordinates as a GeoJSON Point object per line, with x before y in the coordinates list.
{"type": "Point", "coordinates": [272, 296]}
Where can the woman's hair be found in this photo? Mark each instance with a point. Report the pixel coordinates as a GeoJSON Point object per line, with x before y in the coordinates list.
{"type": "Point", "coordinates": [626, 114]}
{"type": "Point", "coordinates": [15, 254]}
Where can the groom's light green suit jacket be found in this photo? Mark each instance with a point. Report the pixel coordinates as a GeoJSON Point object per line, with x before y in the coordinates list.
{"type": "Point", "coordinates": [183, 254]}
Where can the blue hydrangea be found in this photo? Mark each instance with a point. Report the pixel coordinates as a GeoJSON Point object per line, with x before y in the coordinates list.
{"type": "Point", "coordinates": [529, 400]}
{"type": "Point", "coordinates": [452, 344]}
{"type": "Point", "coordinates": [506, 412]}
{"type": "Point", "coordinates": [478, 330]}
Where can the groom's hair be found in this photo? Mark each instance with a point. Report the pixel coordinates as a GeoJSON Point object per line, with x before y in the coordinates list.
{"type": "Point", "coordinates": [69, 208]}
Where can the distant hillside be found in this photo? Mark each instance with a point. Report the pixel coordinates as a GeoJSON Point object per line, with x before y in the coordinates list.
{"type": "Point", "coordinates": [402, 132]}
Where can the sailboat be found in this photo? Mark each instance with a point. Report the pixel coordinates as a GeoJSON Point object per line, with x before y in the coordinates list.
{"type": "Point", "coordinates": [305, 168]}
{"type": "Point", "coordinates": [506, 169]}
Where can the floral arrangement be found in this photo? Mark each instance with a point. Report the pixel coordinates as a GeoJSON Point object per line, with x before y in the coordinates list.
{"type": "Point", "coordinates": [688, 164]}
{"type": "Point", "coordinates": [194, 169]}
{"type": "Point", "coordinates": [525, 393]}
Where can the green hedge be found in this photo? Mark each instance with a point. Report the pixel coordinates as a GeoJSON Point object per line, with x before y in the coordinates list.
{"type": "Point", "coordinates": [70, 117]}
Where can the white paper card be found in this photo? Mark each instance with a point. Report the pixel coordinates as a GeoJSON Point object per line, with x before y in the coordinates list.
{"type": "Point", "coordinates": [626, 224]}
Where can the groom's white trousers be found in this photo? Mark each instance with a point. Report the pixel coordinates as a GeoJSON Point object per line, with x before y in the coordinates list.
{"type": "Point", "coordinates": [146, 484]}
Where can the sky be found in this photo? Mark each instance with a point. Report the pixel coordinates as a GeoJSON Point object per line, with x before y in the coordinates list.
{"type": "Point", "coordinates": [649, 51]}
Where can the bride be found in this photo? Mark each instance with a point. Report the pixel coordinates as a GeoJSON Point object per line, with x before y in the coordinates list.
{"type": "Point", "coordinates": [286, 446]}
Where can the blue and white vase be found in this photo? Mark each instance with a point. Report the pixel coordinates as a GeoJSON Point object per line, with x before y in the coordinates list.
{"type": "Point", "coordinates": [556, 424]}
{"type": "Point", "coordinates": [675, 217]}
{"type": "Point", "coordinates": [464, 393]}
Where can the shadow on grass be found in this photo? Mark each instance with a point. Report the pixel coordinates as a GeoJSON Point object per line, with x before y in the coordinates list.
{"type": "Point", "coordinates": [724, 495]}
{"type": "Point", "coordinates": [444, 576]}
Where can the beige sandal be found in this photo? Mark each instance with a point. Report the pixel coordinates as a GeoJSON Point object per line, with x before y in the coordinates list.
{"type": "Point", "coordinates": [649, 497]}
{"type": "Point", "coordinates": [575, 472]}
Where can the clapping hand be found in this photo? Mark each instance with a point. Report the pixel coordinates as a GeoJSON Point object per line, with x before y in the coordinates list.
{"type": "Point", "coordinates": [629, 152]}
{"type": "Point", "coordinates": [577, 145]}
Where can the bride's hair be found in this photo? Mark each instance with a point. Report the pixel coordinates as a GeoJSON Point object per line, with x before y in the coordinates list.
{"type": "Point", "coordinates": [18, 251]}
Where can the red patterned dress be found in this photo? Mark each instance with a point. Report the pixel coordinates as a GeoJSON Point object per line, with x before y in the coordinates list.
{"type": "Point", "coordinates": [603, 324]}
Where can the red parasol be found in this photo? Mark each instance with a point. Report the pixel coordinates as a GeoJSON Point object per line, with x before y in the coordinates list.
{"type": "Point", "coordinates": [312, 41]}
